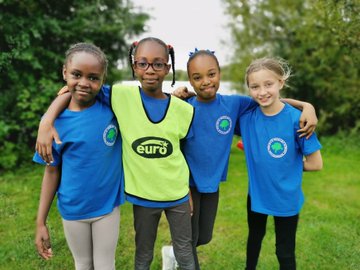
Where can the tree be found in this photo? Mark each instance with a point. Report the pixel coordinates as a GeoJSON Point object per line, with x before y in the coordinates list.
{"type": "Point", "coordinates": [319, 39]}
{"type": "Point", "coordinates": [34, 36]}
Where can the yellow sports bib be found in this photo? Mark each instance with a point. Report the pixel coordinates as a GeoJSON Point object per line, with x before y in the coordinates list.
{"type": "Point", "coordinates": [154, 167]}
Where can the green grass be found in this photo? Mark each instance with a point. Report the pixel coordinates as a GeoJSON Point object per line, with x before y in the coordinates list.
{"type": "Point", "coordinates": [328, 233]}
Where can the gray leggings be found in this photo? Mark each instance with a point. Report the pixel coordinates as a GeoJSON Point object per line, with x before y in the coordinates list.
{"type": "Point", "coordinates": [146, 221]}
{"type": "Point", "coordinates": [93, 241]}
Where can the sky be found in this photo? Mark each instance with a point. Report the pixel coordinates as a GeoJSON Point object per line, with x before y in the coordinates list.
{"type": "Point", "coordinates": [186, 24]}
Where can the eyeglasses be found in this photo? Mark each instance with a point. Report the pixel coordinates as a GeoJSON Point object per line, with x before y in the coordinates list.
{"type": "Point", "coordinates": [157, 66]}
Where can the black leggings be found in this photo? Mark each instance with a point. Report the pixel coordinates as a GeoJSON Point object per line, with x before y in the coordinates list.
{"type": "Point", "coordinates": [285, 231]}
{"type": "Point", "coordinates": [203, 219]}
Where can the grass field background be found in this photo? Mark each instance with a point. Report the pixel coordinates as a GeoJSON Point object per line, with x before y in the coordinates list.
{"type": "Point", "coordinates": [328, 233]}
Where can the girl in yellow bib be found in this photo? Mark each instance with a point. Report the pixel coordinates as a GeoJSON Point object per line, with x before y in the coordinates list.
{"type": "Point", "coordinates": [152, 125]}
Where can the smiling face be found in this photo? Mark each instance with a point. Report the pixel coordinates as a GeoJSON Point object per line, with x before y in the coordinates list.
{"type": "Point", "coordinates": [84, 74]}
{"type": "Point", "coordinates": [151, 80]}
{"type": "Point", "coordinates": [264, 87]}
{"type": "Point", "coordinates": [204, 76]}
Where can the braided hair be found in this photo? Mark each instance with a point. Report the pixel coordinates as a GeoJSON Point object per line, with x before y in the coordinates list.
{"type": "Point", "coordinates": [168, 49]}
{"type": "Point", "coordinates": [88, 48]}
{"type": "Point", "coordinates": [196, 53]}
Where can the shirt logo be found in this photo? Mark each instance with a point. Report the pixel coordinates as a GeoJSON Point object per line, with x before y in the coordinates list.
{"type": "Point", "coordinates": [152, 147]}
{"type": "Point", "coordinates": [110, 134]}
{"type": "Point", "coordinates": [277, 147]}
{"type": "Point", "coordinates": [223, 124]}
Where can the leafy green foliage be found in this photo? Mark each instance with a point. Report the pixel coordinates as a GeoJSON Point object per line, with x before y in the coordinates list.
{"type": "Point", "coordinates": [320, 40]}
{"type": "Point", "coordinates": [181, 75]}
{"type": "Point", "coordinates": [34, 36]}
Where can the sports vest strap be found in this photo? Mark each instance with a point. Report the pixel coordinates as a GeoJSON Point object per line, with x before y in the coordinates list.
{"type": "Point", "coordinates": [154, 167]}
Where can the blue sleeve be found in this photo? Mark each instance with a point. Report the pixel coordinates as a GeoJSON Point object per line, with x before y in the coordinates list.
{"type": "Point", "coordinates": [309, 146]}
{"type": "Point", "coordinates": [104, 94]}
{"type": "Point", "coordinates": [246, 105]}
{"type": "Point", "coordinates": [38, 159]}
{"type": "Point", "coordinates": [56, 155]}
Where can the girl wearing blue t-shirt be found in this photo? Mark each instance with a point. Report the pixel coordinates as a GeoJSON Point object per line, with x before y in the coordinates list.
{"type": "Point", "coordinates": [85, 172]}
{"type": "Point", "coordinates": [207, 151]}
{"type": "Point", "coordinates": [152, 124]}
{"type": "Point", "coordinates": [276, 158]}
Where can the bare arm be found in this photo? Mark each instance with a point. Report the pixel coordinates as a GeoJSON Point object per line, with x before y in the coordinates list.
{"type": "Point", "coordinates": [48, 189]}
{"type": "Point", "coordinates": [313, 162]}
{"type": "Point", "coordinates": [308, 118]}
{"type": "Point", "coordinates": [47, 133]}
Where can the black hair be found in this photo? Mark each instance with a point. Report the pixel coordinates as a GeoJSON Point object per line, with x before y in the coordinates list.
{"type": "Point", "coordinates": [89, 48]}
{"type": "Point", "coordinates": [168, 49]}
{"type": "Point", "coordinates": [197, 53]}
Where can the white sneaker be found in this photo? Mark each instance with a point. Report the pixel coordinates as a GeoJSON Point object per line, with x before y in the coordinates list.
{"type": "Point", "coordinates": [168, 258]}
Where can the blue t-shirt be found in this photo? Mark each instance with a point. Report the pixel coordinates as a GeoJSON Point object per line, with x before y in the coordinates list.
{"type": "Point", "coordinates": [90, 160]}
{"type": "Point", "coordinates": [155, 110]}
{"type": "Point", "coordinates": [207, 151]}
{"type": "Point", "coordinates": [274, 156]}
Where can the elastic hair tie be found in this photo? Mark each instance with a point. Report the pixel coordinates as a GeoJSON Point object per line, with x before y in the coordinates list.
{"type": "Point", "coordinates": [197, 50]}
{"type": "Point", "coordinates": [135, 43]}
{"type": "Point", "coordinates": [192, 53]}
{"type": "Point", "coordinates": [169, 46]}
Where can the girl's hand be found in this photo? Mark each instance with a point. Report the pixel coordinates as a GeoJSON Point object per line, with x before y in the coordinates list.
{"type": "Point", "coordinates": [63, 90]}
{"type": "Point", "coordinates": [46, 134]}
{"type": "Point", "coordinates": [308, 121]}
{"type": "Point", "coordinates": [42, 242]}
{"type": "Point", "coordinates": [183, 93]}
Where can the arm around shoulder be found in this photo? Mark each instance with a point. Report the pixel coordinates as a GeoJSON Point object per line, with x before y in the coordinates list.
{"type": "Point", "coordinates": [183, 93]}
{"type": "Point", "coordinates": [313, 162]}
{"type": "Point", "coordinates": [46, 132]}
{"type": "Point", "coordinates": [59, 104]}
{"type": "Point", "coordinates": [308, 119]}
